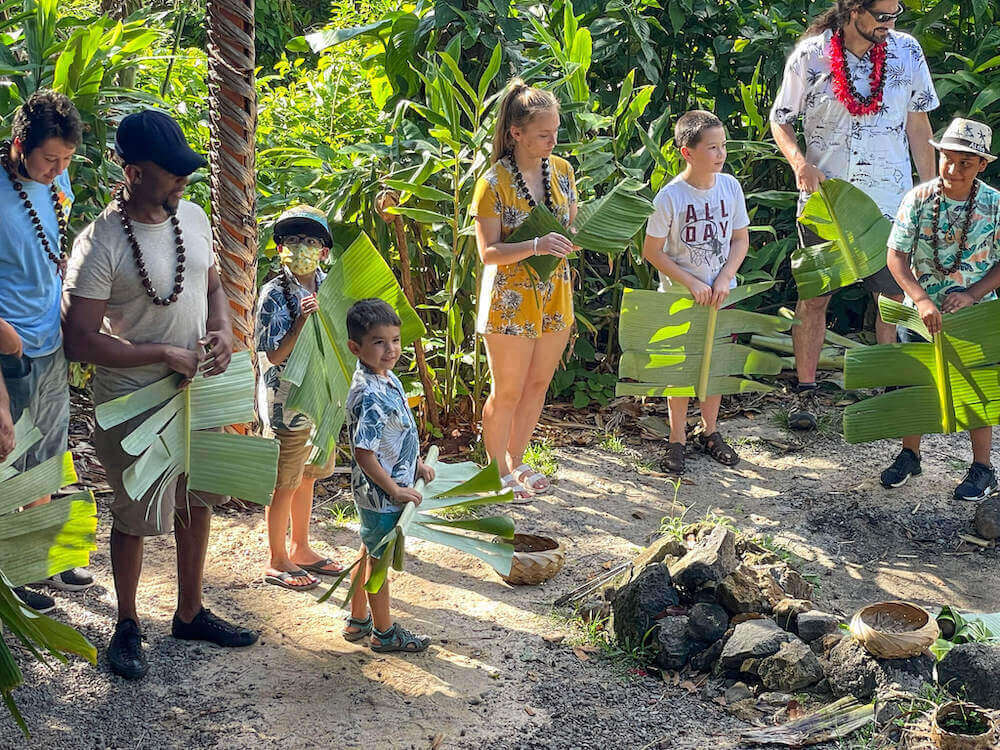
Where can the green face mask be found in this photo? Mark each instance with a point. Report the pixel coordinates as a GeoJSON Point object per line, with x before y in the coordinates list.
{"type": "Point", "coordinates": [301, 259]}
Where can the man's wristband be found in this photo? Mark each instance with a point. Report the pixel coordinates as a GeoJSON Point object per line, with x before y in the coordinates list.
{"type": "Point", "coordinates": [534, 246]}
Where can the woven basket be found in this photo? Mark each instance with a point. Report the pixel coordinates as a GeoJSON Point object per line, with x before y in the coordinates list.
{"type": "Point", "coordinates": [536, 559]}
{"type": "Point", "coordinates": [946, 740]}
{"type": "Point", "coordinates": [894, 630]}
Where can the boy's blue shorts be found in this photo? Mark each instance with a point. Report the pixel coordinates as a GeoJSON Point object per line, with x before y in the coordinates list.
{"type": "Point", "coordinates": [374, 526]}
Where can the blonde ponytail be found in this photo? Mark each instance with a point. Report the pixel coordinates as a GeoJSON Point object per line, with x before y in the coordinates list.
{"type": "Point", "coordinates": [519, 105]}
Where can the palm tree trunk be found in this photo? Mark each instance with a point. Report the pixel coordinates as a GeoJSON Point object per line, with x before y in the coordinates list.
{"type": "Point", "coordinates": [233, 125]}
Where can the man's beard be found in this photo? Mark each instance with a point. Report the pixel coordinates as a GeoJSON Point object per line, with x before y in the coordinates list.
{"type": "Point", "coordinates": [170, 204]}
{"type": "Point", "coordinates": [867, 37]}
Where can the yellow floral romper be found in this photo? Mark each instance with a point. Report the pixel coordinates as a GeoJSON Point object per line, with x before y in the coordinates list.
{"type": "Point", "coordinates": [510, 302]}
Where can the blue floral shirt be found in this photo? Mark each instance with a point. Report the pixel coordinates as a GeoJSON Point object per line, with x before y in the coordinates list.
{"type": "Point", "coordinates": [273, 323]}
{"type": "Point", "coordinates": [379, 420]}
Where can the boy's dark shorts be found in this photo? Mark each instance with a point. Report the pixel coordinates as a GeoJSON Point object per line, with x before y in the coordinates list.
{"type": "Point", "coordinates": [374, 526]}
{"type": "Point", "coordinates": [880, 282]}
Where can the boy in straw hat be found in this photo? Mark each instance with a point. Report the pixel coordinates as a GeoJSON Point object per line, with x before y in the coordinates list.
{"type": "Point", "coordinates": [944, 250]}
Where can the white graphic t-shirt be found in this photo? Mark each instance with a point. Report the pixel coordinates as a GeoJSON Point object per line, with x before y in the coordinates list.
{"type": "Point", "coordinates": [698, 224]}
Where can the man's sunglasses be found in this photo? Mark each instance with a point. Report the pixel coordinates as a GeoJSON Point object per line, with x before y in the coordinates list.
{"type": "Point", "coordinates": [886, 17]}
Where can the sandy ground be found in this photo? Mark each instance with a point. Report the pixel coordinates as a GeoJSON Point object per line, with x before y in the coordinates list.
{"type": "Point", "coordinates": [491, 679]}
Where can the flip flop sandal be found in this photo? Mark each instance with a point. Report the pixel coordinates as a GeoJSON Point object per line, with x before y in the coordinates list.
{"type": "Point", "coordinates": [717, 448]}
{"type": "Point", "coordinates": [321, 567]}
{"type": "Point", "coordinates": [521, 492]}
{"type": "Point", "coordinates": [284, 577]}
{"type": "Point", "coordinates": [398, 638]}
{"type": "Point", "coordinates": [364, 629]}
{"type": "Point", "coordinates": [673, 461]}
{"type": "Point", "coordinates": [532, 479]}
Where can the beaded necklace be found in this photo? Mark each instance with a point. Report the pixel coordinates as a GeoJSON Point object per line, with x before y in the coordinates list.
{"type": "Point", "coordinates": [963, 245]}
{"type": "Point", "coordinates": [58, 260]}
{"type": "Point", "coordinates": [522, 187]}
{"type": "Point", "coordinates": [119, 196]}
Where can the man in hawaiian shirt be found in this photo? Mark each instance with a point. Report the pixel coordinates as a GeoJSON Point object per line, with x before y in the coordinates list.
{"type": "Point", "coordinates": [858, 127]}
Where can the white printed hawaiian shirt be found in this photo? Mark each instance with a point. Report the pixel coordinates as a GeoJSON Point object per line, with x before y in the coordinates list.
{"type": "Point", "coordinates": [379, 420]}
{"type": "Point", "coordinates": [869, 151]}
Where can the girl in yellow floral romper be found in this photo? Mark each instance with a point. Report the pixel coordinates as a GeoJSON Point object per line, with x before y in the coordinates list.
{"type": "Point", "coordinates": [525, 323]}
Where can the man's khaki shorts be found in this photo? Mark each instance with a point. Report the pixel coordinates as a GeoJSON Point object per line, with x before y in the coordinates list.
{"type": "Point", "coordinates": [153, 514]}
{"type": "Point", "coordinates": [292, 456]}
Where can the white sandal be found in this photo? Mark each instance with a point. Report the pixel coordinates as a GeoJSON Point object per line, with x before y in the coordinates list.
{"type": "Point", "coordinates": [530, 482]}
{"type": "Point", "coordinates": [521, 492]}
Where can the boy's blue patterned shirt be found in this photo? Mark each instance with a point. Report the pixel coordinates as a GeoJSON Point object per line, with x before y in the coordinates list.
{"type": "Point", "coordinates": [379, 419]}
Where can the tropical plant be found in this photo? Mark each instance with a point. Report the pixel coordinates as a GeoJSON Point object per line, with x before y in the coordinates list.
{"type": "Point", "coordinates": [674, 347]}
{"type": "Point", "coordinates": [961, 629]}
{"type": "Point", "coordinates": [321, 366]}
{"type": "Point", "coordinates": [856, 235]}
{"type": "Point", "coordinates": [178, 438]}
{"type": "Point", "coordinates": [34, 544]}
{"type": "Point", "coordinates": [947, 384]}
{"type": "Point", "coordinates": [456, 487]}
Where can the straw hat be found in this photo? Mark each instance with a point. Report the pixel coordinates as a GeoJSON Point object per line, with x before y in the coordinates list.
{"type": "Point", "coordinates": [967, 135]}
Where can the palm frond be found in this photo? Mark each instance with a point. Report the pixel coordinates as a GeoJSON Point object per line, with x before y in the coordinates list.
{"type": "Point", "coordinates": [672, 346]}
{"type": "Point", "coordinates": [320, 367]}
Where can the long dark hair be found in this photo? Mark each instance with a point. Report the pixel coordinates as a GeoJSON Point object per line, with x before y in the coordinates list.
{"type": "Point", "coordinates": [836, 17]}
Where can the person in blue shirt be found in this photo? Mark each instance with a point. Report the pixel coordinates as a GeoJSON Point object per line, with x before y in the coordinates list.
{"type": "Point", "coordinates": [35, 203]}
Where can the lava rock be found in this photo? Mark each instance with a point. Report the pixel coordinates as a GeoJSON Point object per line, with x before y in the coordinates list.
{"type": "Point", "coordinates": [641, 602]}
{"type": "Point", "coordinates": [787, 611]}
{"type": "Point", "coordinates": [675, 645]}
{"type": "Point", "coordinates": [707, 622]}
{"type": "Point", "coordinates": [788, 580]}
{"type": "Point", "coordinates": [853, 671]}
{"type": "Point", "coordinates": [705, 660]}
{"type": "Point", "coordinates": [974, 667]}
{"type": "Point", "coordinates": [792, 668]}
{"type": "Point", "coordinates": [741, 592]}
{"type": "Point", "coordinates": [755, 639]}
{"type": "Point", "coordinates": [737, 692]}
{"type": "Point", "coordinates": [814, 624]}
{"type": "Point", "coordinates": [712, 559]}
{"type": "Point", "coordinates": [988, 518]}
{"type": "Point", "coordinates": [657, 552]}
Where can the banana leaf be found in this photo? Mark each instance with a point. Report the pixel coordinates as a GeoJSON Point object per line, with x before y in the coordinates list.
{"type": "Point", "coordinates": [949, 384]}
{"type": "Point", "coordinates": [672, 346]}
{"type": "Point", "coordinates": [35, 544]}
{"type": "Point", "coordinates": [856, 235]}
{"type": "Point", "coordinates": [172, 443]}
{"type": "Point", "coordinates": [320, 367]}
{"type": "Point", "coordinates": [455, 486]}
{"type": "Point", "coordinates": [606, 224]}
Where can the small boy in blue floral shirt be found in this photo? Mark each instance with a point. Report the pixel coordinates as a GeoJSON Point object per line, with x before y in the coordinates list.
{"type": "Point", "coordinates": [386, 451]}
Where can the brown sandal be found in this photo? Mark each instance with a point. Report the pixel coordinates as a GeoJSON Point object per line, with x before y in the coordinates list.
{"type": "Point", "coordinates": [715, 446]}
{"type": "Point", "coordinates": [673, 461]}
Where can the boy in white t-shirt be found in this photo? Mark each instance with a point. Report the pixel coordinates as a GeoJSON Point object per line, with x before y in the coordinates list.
{"type": "Point", "coordinates": [698, 236]}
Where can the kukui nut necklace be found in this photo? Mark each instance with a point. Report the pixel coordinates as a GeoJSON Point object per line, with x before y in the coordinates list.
{"type": "Point", "coordinates": [843, 84]}
{"type": "Point", "coordinates": [58, 260]}
{"type": "Point", "coordinates": [119, 196]}
{"type": "Point", "coordinates": [522, 187]}
{"type": "Point", "coordinates": [963, 245]}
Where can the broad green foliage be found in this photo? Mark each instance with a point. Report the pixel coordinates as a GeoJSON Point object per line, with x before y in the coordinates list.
{"type": "Point", "coordinates": [178, 438]}
{"type": "Point", "coordinates": [951, 385]}
{"type": "Point", "coordinates": [455, 487]}
{"type": "Point", "coordinates": [321, 366]}
{"type": "Point", "coordinates": [35, 544]}
{"type": "Point", "coordinates": [606, 224]}
{"type": "Point", "coordinates": [672, 346]}
{"type": "Point", "coordinates": [856, 235]}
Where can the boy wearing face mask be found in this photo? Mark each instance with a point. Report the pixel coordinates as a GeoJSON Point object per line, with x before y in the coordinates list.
{"type": "Point", "coordinates": [286, 302]}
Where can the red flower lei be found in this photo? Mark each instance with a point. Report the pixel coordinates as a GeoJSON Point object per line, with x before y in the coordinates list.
{"type": "Point", "coordinates": [843, 87]}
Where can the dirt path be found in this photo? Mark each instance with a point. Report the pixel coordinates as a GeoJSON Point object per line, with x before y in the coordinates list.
{"type": "Point", "coordinates": [490, 680]}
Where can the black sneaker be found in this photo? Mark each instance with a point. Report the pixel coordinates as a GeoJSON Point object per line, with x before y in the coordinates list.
{"type": "Point", "coordinates": [125, 654]}
{"type": "Point", "coordinates": [208, 627]}
{"type": "Point", "coordinates": [802, 414]}
{"type": "Point", "coordinates": [38, 602]}
{"type": "Point", "coordinates": [906, 465]}
{"type": "Point", "coordinates": [74, 579]}
{"type": "Point", "coordinates": [979, 483]}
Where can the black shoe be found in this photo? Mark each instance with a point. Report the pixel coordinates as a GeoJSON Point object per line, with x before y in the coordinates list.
{"type": "Point", "coordinates": [979, 483]}
{"type": "Point", "coordinates": [125, 654]}
{"type": "Point", "coordinates": [38, 602]}
{"type": "Point", "coordinates": [74, 579]}
{"type": "Point", "coordinates": [802, 414]}
{"type": "Point", "coordinates": [906, 465]}
{"type": "Point", "coordinates": [208, 627]}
